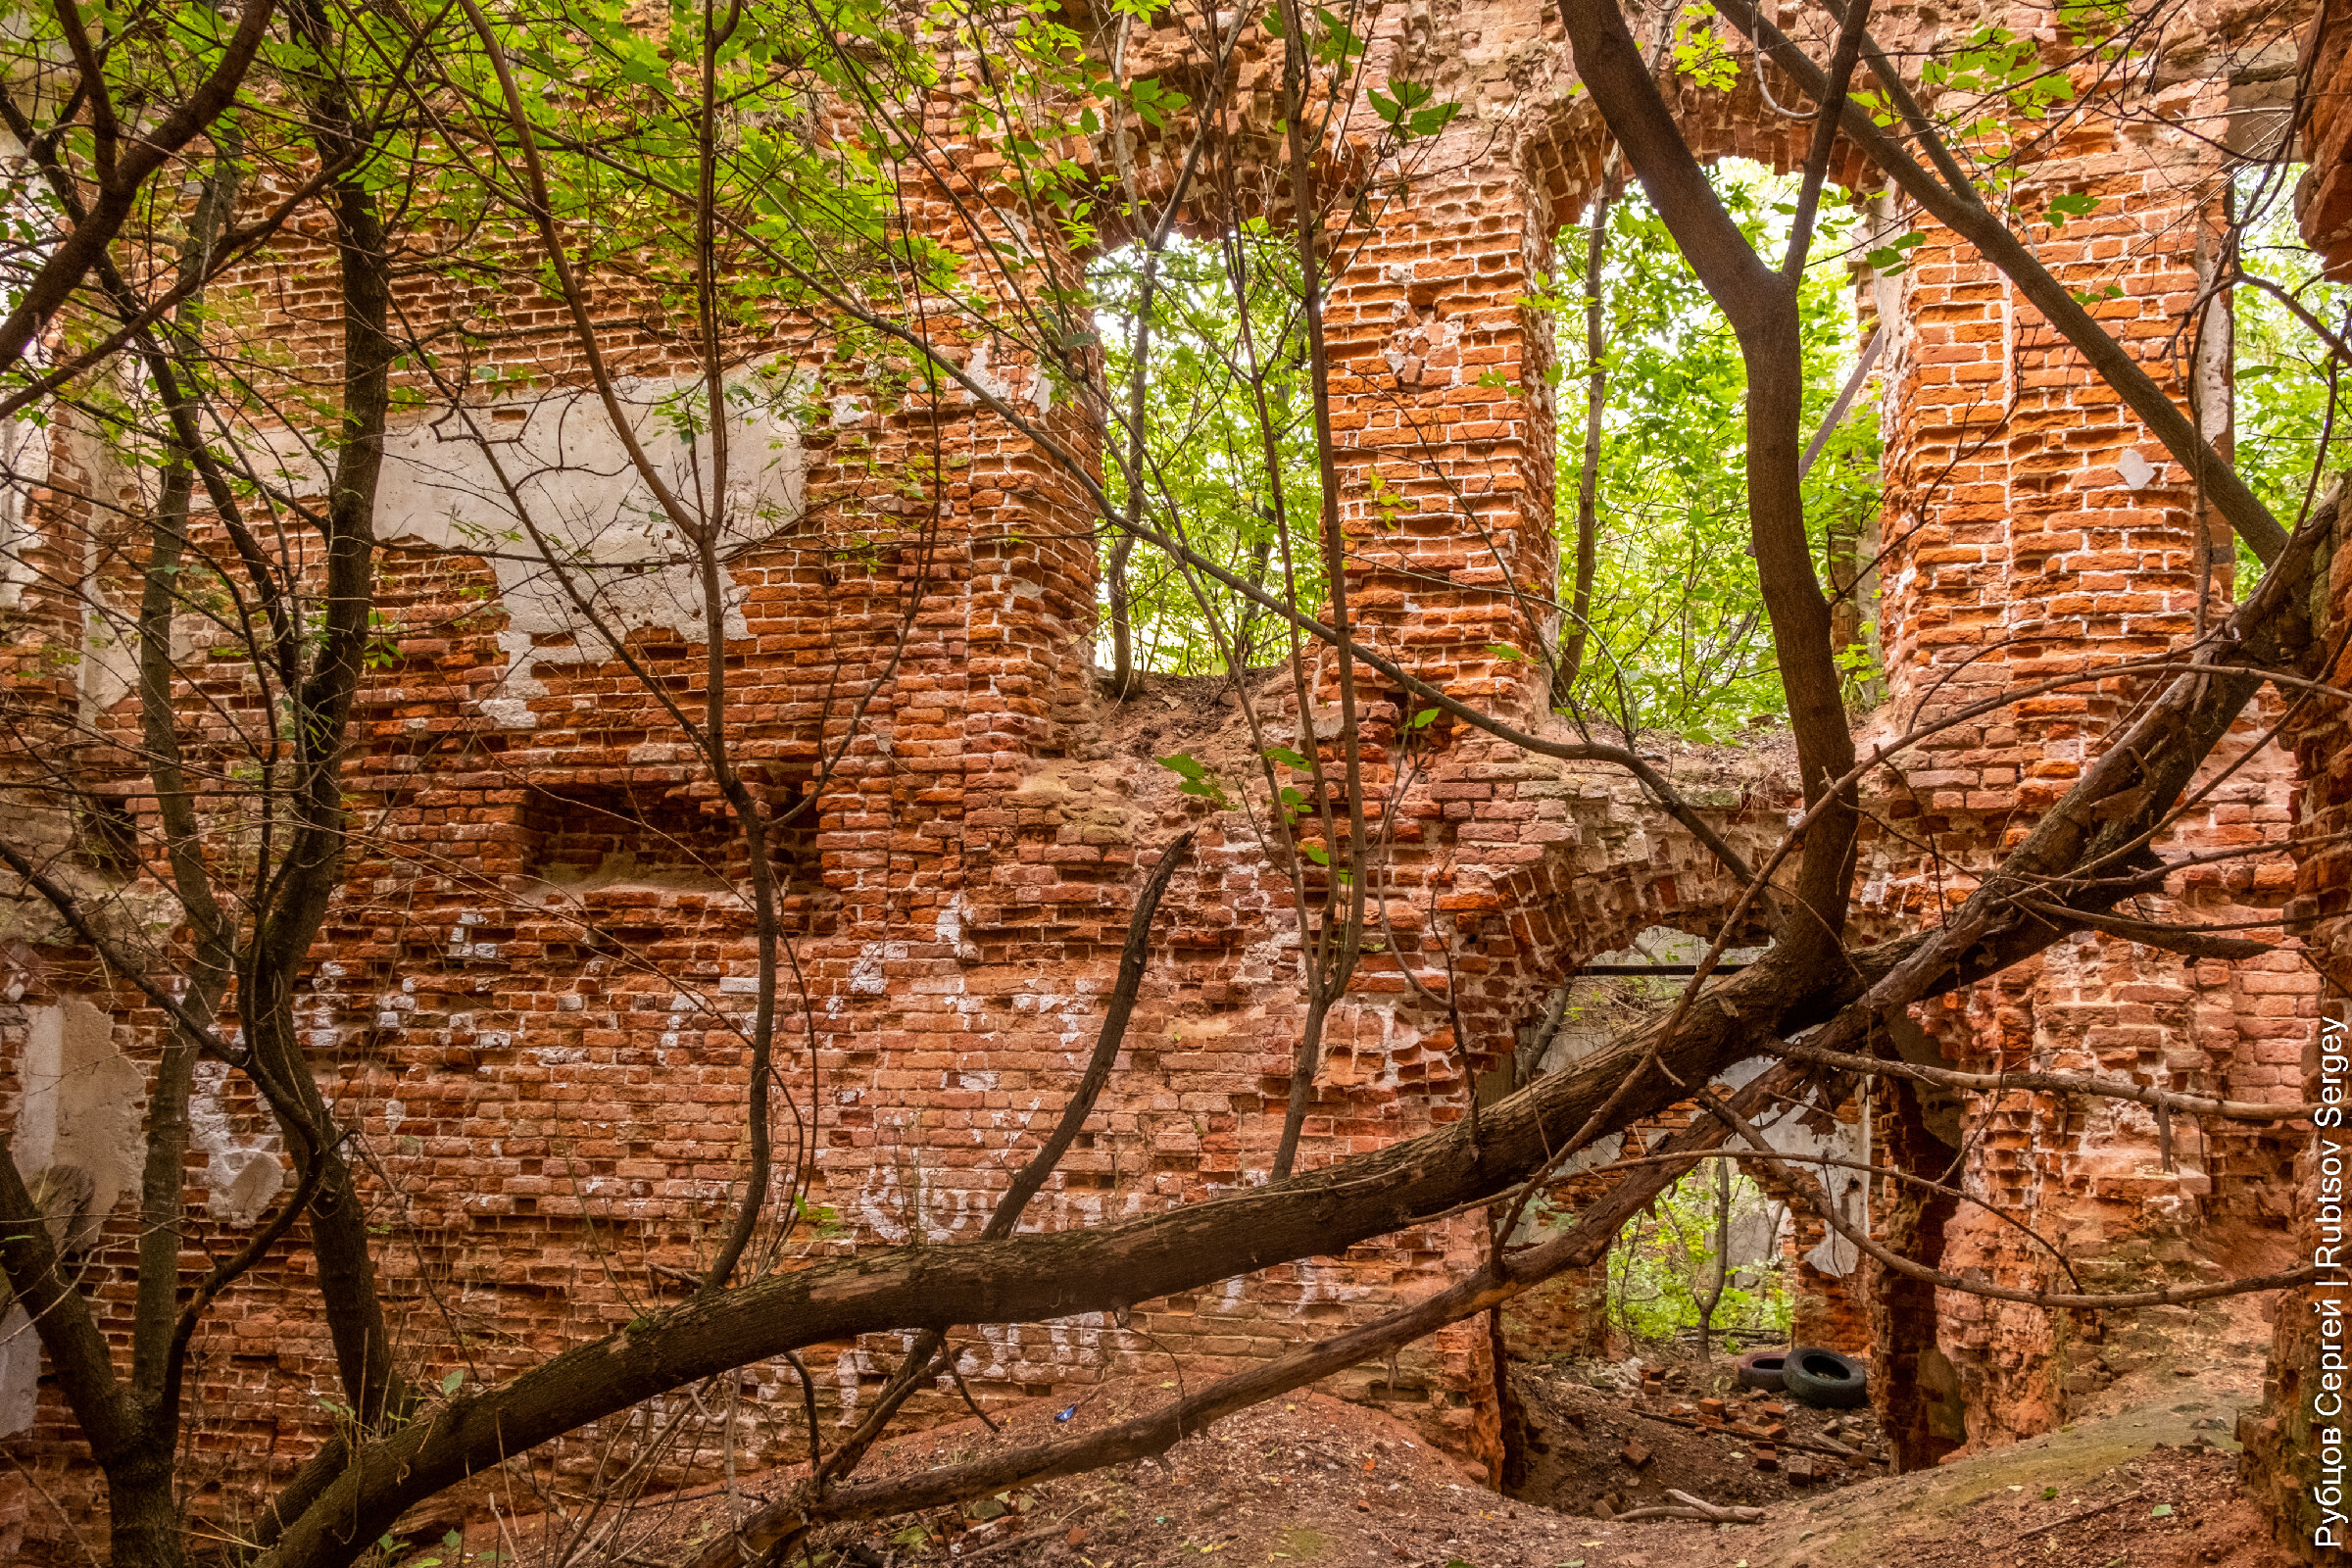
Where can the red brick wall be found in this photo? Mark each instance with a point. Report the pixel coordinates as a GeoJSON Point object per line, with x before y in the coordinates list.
{"type": "Point", "coordinates": [2323, 201]}
{"type": "Point", "coordinates": [551, 1090]}
{"type": "Point", "coordinates": [2282, 1437]}
{"type": "Point", "coordinates": [2034, 530]}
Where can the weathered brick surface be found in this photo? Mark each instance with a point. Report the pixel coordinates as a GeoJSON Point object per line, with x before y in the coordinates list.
{"type": "Point", "coordinates": [2034, 532]}
{"type": "Point", "coordinates": [2323, 201]}
{"type": "Point", "coordinates": [2283, 1438]}
{"type": "Point", "coordinates": [526, 1002]}
{"type": "Point", "coordinates": [2284, 1446]}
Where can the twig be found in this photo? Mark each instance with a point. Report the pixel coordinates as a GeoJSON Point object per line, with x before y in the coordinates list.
{"type": "Point", "coordinates": [1716, 1512]}
{"type": "Point", "coordinates": [1024, 1537]}
{"type": "Point", "coordinates": [2087, 1513]}
{"type": "Point", "coordinates": [1662, 1512]}
{"type": "Point", "coordinates": [965, 1389]}
{"type": "Point", "coordinates": [2046, 1082]}
{"type": "Point", "coordinates": [2177, 939]}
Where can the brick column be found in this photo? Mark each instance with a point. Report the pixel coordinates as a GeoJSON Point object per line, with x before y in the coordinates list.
{"type": "Point", "coordinates": [1443, 413]}
{"type": "Point", "coordinates": [2034, 528]}
{"type": "Point", "coordinates": [2032, 525]}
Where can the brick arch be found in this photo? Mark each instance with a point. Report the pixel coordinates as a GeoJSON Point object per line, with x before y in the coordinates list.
{"type": "Point", "coordinates": [1445, 422]}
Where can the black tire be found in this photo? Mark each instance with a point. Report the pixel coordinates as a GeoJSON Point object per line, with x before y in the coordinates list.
{"type": "Point", "coordinates": [1761, 1369]}
{"type": "Point", "coordinates": [1825, 1380]}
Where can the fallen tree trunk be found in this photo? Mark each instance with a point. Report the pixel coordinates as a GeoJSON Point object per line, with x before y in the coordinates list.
{"type": "Point", "coordinates": [783, 1520]}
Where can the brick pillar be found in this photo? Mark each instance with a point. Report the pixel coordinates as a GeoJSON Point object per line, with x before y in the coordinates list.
{"type": "Point", "coordinates": [2034, 528]}
{"type": "Point", "coordinates": [1443, 415]}
{"type": "Point", "coordinates": [956, 888]}
{"type": "Point", "coordinates": [1902, 1309]}
{"type": "Point", "coordinates": [2282, 1437]}
{"type": "Point", "coordinates": [2032, 523]}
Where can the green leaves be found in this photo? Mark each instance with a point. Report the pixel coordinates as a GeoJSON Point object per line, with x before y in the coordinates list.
{"type": "Point", "coordinates": [1199, 780]}
{"type": "Point", "coordinates": [1156, 103]}
{"type": "Point", "coordinates": [453, 1543]}
{"type": "Point", "coordinates": [1890, 259]}
{"type": "Point", "coordinates": [1207, 473]}
{"type": "Point", "coordinates": [1995, 62]}
{"type": "Point", "coordinates": [1678, 637]}
{"type": "Point", "coordinates": [1410, 112]}
{"type": "Point", "coordinates": [1663, 1264]}
{"type": "Point", "coordinates": [2286, 380]}
{"type": "Point", "coordinates": [1699, 54]}
{"type": "Point", "coordinates": [2090, 21]}
{"type": "Point", "coordinates": [1334, 42]}
{"type": "Point", "coordinates": [2072, 205]}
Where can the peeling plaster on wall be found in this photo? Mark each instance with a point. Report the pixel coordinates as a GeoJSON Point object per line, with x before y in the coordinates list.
{"type": "Point", "coordinates": [80, 1112]}
{"type": "Point", "coordinates": [1791, 1134]}
{"type": "Point", "coordinates": [559, 452]}
{"type": "Point", "coordinates": [877, 1212]}
{"type": "Point", "coordinates": [241, 1177]}
{"type": "Point", "coordinates": [25, 459]}
{"type": "Point", "coordinates": [976, 367]}
{"type": "Point", "coordinates": [82, 1106]}
{"type": "Point", "coordinates": [19, 1373]}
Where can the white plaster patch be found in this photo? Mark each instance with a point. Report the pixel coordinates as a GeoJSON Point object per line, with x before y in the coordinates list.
{"type": "Point", "coordinates": [19, 1373]}
{"type": "Point", "coordinates": [866, 975]}
{"type": "Point", "coordinates": [874, 1209]}
{"type": "Point", "coordinates": [566, 466]}
{"type": "Point", "coordinates": [83, 1106]}
{"type": "Point", "coordinates": [977, 370]}
{"type": "Point", "coordinates": [25, 459]}
{"type": "Point", "coordinates": [241, 1177]}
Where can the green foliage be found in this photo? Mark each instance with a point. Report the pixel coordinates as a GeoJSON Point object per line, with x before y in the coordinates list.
{"type": "Point", "coordinates": [1213, 401]}
{"type": "Point", "coordinates": [1698, 52]}
{"type": "Point", "coordinates": [1892, 257]}
{"type": "Point", "coordinates": [2094, 22]}
{"type": "Point", "coordinates": [1199, 780]}
{"type": "Point", "coordinates": [1680, 638]}
{"type": "Point", "coordinates": [449, 1552]}
{"type": "Point", "coordinates": [2005, 68]}
{"type": "Point", "coordinates": [1409, 113]}
{"type": "Point", "coordinates": [1994, 91]}
{"type": "Point", "coordinates": [1663, 1265]}
{"type": "Point", "coordinates": [2077, 204]}
{"type": "Point", "coordinates": [2286, 379]}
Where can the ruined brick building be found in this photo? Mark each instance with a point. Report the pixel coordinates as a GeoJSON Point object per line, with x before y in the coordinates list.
{"type": "Point", "coordinates": [520, 1006]}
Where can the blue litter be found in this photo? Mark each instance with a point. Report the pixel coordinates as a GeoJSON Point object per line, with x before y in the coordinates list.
{"type": "Point", "coordinates": [1067, 1415]}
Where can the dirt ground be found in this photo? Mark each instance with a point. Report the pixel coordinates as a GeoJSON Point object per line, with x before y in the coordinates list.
{"type": "Point", "coordinates": [2145, 1476]}
{"type": "Point", "coordinates": [1603, 1440]}
{"type": "Point", "coordinates": [1314, 1479]}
